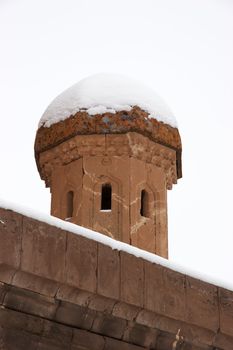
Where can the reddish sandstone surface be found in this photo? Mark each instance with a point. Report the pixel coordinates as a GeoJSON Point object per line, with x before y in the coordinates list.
{"type": "Point", "coordinates": [121, 122]}
{"type": "Point", "coordinates": [59, 290]}
{"type": "Point", "coordinates": [131, 163]}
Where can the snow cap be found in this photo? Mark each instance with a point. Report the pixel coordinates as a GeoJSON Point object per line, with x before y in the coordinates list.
{"type": "Point", "coordinates": [106, 93]}
{"type": "Point", "coordinates": [108, 104]}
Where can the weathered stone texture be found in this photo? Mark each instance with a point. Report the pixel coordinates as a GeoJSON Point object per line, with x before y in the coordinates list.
{"type": "Point", "coordinates": [132, 164]}
{"type": "Point", "coordinates": [81, 262]}
{"type": "Point", "coordinates": [30, 302]}
{"type": "Point", "coordinates": [74, 315]}
{"type": "Point", "coordinates": [126, 311]}
{"type": "Point", "coordinates": [107, 146]}
{"type": "Point", "coordinates": [121, 122]}
{"type": "Point", "coordinates": [108, 272]}
{"type": "Point", "coordinates": [73, 295]}
{"type": "Point", "coordinates": [113, 344]}
{"type": "Point", "coordinates": [153, 287]}
{"type": "Point", "coordinates": [123, 300]}
{"type": "Point", "coordinates": [141, 335]}
{"type": "Point", "coordinates": [202, 303]}
{"type": "Point", "coordinates": [42, 244]}
{"type": "Point", "coordinates": [86, 340]}
{"type": "Point", "coordinates": [226, 311]}
{"type": "Point", "coordinates": [109, 325]}
{"type": "Point", "coordinates": [10, 237]}
{"type": "Point", "coordinates": [132, 279]}
{"type": "Point", "coordinates": [31, 281]}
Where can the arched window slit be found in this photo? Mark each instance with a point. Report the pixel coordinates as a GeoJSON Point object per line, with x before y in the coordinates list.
{"type": "Point", "coordinates": [144, 210]}
{"type": "Point", "coordinates": [69, 204]}
{"type": "Point", "coordinates": [106, 197]}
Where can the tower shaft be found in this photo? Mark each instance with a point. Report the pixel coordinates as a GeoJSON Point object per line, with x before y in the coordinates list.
{"type": "Point", "coordinates": [115, 184]}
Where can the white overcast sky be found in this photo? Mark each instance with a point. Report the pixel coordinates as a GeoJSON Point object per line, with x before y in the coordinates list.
{"type": "Point", "coordinates": [181, 48]}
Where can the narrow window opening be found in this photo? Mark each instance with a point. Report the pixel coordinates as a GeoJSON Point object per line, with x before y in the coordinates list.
{"type": "Point", "coordinates": [144, 210]}
{"type": "Point", "coordinates": [106, 197]}
{"type": "Point", "coordinates": [69, 204]}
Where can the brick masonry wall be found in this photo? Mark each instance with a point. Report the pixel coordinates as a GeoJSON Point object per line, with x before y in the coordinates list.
{"type": "Point", "coordinates": [61, 280]}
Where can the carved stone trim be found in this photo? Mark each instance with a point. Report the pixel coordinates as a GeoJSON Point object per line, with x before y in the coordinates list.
{"type": "Point", "coordinates": [122, 122]}
{"type": "Point", "coordinates": [131, 145]}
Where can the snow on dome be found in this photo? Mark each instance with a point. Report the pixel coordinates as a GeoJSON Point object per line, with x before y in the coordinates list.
{"type": "Point", "coordinates": [101, 93]}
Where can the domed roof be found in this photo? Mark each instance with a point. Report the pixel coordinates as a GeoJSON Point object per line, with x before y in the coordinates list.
{"type": "Point", "coordinates": [108, 104]}
{"type": "Point", "coordinates": [102, 93]}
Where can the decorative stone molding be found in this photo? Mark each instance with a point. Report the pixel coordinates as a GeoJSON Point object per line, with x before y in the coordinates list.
{"type": "Point", "coordinates": [130, 145]}
{"type": "Point", "coordinates": [121, 122]}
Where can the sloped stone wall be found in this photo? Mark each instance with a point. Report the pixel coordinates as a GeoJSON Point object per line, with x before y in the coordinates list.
{"type": "Point", "coordinates": [59, 290]}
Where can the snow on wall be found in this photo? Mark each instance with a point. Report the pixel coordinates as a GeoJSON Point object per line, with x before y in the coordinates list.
{"type": "Point", "coordinates": [110, 242]}
{"type": "Point", "coordinates": [103, 93]}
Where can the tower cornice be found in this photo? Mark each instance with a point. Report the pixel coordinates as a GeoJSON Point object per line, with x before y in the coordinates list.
{"type": "Point", "coordinates": [130, 144]}
{"type": "Point", "coordinates": [123, 122]}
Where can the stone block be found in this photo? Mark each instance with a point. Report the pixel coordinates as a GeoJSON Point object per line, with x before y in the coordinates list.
{"type": "Point", "coordinates": [43, 250]}
{"type": "Point", "coordinates": [11, 319]}
{"type": "Point", "coordinates": [163, 323]}
{"type": "Point", "coordinates": [193, 334]}
{"type": "Point", "coordinates": [81, 262]}
{"type": "Point", "coordinates": [154, 287]}
{"type": "Point", "coordinates": [165, 291]}
{"type": "Point", "coordinates": [30, 302]}
{"type": "Point", "coordinates": [148, 319]}
{"type": "Point", "coordinates": [10, 237]}
{"type": "Point", "coordinates": [57, 334]}
{"type": "Point", "coordinates": [189, 346]}
{"type": "Point", "coordinates": [51, 335]}
{"type": "Point", "coordinates": [35, 283]}
{"type": "Point", "coordinates": [113, 344]}
{"type": "Point", "coordinates": [45, 344]}
{"type": "Point", "coordinates": [87, 340]}
{"type": "Point", "coordinates": [174, 304]}
{"type": "Point", "coordinates": [75, 315]}
{"type": "Point", "coordinates": [125, 311]}
{"type": "Point", "coordinates": [222, 341]}
{"type": "Point", "coordinates": [117, 144]}
{"type": "Point", "coordinates": [141, 335]}
{"type": "Point", "coordinates": [226, 311]}
{"type": "Point", "coordinates": [102, 304]}
{"type": "Point", "coordinates": [108, 283]}
{"type": "Point", "coordinates": [132, 279]}
{"type": "Point", "coordinates": [6, 273]}
{"type": "Point", "coordinates": [13, 339]}
{"type": "Point", "coordinates": [202, 304]}
{"type": "Point", "coordinates": [73, 295]}
{"type": "Point", "coordinates": [109, 325]}
{"type": "Point", "coordinates": [167, 341]}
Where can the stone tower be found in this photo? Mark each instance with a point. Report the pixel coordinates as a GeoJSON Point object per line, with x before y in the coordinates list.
{"type": "Point", "coordinates": [109, 170]}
